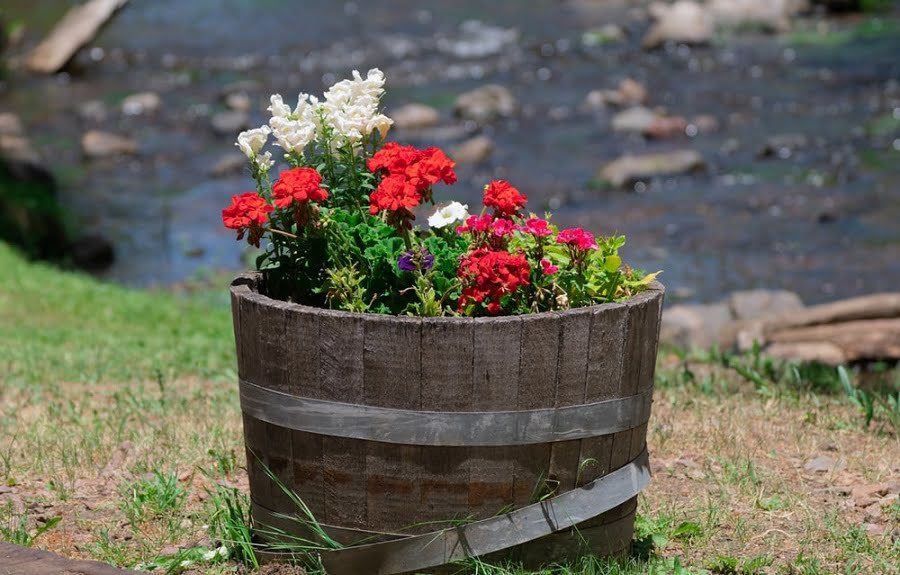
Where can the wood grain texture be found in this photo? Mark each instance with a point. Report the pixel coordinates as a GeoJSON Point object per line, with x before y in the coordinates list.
{"type": "Point", "coordinates": [571, 379]}
{"type": "Point", "coordinates": [341, 377]}
{"type": "Point", "coordinates": [392, 368]}
{"type": "Point", "coordinates": [447, 385]}
{"type": "Point", "coordinates": [495, 381]}
{"type": "Point", "coordinates": [538, 363]}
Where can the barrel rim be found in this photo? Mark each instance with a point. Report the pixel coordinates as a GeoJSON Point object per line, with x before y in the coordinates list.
{"type": "Point", "coordinates": [246, 286]}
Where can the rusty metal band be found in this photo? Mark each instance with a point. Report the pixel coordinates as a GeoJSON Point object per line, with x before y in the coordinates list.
{"type": "Point", "coordinates": [445, 428]}
{"type": "Point", "coordinates": [414, 553]}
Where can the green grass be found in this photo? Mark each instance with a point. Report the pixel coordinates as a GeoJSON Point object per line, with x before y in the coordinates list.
{"type": "Point", "coordinates": [65, 327]}
{"type": "Point", "coordinates": [119, 411]}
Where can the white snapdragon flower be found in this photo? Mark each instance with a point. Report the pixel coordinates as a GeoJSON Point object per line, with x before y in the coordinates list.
{"type": "Point", "coordinates": [264, 161]}
{"type": "Point", "coordinates": [252, 141]}
{"type": "Point", "coordinates": [351, 107]}
{"type": "Point", "coordinates": [294, 129]}
{"type": "Point", "coordinates": [452, 212]}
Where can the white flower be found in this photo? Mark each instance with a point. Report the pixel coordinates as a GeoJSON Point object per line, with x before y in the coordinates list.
{"type": "Point", "coordinates": [252, 141]}
{"type": "Point", "coordinates": [452, 212]}
{"type": "Point", "coordinates": [264, 161]}
{"type": "Point", "coordinates": [381, 123]}
{"type": "Point", "coordinates": [209, 555]}
{"type": "Point", "coordinates": [351, 107]}
{"type": "Point", "coordinates": [294, 129]}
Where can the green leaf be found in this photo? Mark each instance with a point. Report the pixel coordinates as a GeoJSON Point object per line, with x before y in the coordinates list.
{"type": "Point", "coordinates": [612, 263]}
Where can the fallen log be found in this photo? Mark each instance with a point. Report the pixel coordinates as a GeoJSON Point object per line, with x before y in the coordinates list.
{"type": "Point", "coordinates": [78, 27]}
{"type": "Point", "coordinates": [835, 343]}
{"type": "Point", "coordinates": [870, 307]}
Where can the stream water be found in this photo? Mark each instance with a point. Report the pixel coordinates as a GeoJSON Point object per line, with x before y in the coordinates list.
{"type": "Point", "coordinates": [821, 219]}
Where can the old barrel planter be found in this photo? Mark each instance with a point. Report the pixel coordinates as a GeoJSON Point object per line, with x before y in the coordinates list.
{"type": "Point", "coordinates": [416, 442]}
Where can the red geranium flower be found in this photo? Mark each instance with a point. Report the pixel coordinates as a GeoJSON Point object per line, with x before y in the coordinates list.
{"type": "Point", "coordinates": [476, 224]}
{"type": "Point", "coordinates": [396, 195]}
{"type": "Point", "coordinates": [248, 211]}
{"type": "Point", "coordinates": [488, 275]}
{"type": "Point", "coordinates": [577, 238]}
{"type": "Point", "coordinates": [432, 166]}
{"type": "Point", "coordinates": [393, 158]}
{"type": "Point", "coordinates": [537, 227]}
{"type": "Point", "coordinates": [504, 198]}
{"type": "Point", "coordinates": [298, 185]}
{"type": "Point", "coordinates": [548, 268]}
{"type": "Point", "coordinates": [409, 175]}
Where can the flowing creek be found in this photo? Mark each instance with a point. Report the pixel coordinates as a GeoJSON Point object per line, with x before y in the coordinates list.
{"type": "Point", "coordinates": [821, 217]}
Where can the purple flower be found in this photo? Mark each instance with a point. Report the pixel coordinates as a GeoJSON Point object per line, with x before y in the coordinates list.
{"type": "Point", "coordinates": [416, 259]}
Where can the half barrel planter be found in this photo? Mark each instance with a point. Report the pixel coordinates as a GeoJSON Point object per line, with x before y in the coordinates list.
{"type": "Point", "coordinates": [416, 442]}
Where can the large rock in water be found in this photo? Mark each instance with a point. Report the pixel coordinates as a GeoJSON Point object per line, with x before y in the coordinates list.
{"type": "Point", "coordinates": [684, 21]}
{"type": "Point", "coordinates": [631, 168]}
{"type": "Point", "coordinates": [486, 103]}
{"type": "Point", "coordinates": [30, 216]}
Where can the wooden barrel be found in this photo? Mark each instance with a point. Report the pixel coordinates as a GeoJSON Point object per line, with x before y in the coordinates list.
{"type": "Point", "coordinates": [392, 427]}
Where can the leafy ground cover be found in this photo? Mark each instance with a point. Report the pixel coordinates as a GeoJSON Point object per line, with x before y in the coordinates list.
{"type": "Point", "coordinates": [120, 440]}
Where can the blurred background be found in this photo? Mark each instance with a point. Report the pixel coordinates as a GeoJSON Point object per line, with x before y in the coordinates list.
{"type": "Point", "coordinates": [738, 144]}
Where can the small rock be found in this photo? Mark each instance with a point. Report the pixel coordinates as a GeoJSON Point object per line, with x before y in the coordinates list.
{"type": "Point", "coordinates": [821, 464]}
{"type": "Point", "coordinates": [705, 123]}
{"type": "Point", "coordinates": [874, 529]}
{"type": "Point", "coordinates": [141, 103]}
{"type": "Point", "coordinates": [628, 93]}
{"type": "Point", "coordinates": [774, 15]}
{"type": "Point", "coordinates": [478, 40]}
{"type": "Point", "coordinates": [96, 144]}
{"type": "Point", "coordinates": [486, 103]}
{"type": "Point", "coordinates": [874, 513]}
{"type": "Point", "coordinates": [230, 163]}
{"type": "Point", "coordinates": [630, 168]}
{"type": "Point", "coordinates": [761, 303]}
{"type": "Point", "coordinates": [783, 145]}
{"type": "Point", "coordinates": [694, 325]}
{"type": "Point", "coordinates": [631, 93]}
{"type": "Point", "coordinates": [10, 124]}
{"type": "Point", "coordinates": [684, 21]}
{"type": "Point", "coordinates": [663, 127]}
{"type": "Point", "coordinates": [474, 150]}
{"type": "Point", "coordinates": [636, 119]}
{"type": "Point", "coordinates": [606, 34]}
{"type": "Point", "coordinates": [92, 252]}
{"type": "Point", "coordinates": [415, 116]}
{"type": "Point", "coordinates": [169, 550]}
{"type": "Point", "coordinates": [229, 123]}
{"type": "Point", "coordinates": [238, 101]}
{"type": "Point", "coordinates": [92, 111]}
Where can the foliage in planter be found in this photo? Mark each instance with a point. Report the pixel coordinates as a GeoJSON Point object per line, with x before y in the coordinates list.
{"type": "Point", "coordinates": [339, 223]}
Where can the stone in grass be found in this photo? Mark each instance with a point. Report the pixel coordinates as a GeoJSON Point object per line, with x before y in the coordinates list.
{"type": "Point", "coordinates": [760, 303]}
{"type": "Point", "coordinates": [97, 144]}
{"type": "Point", "coordinates": [631, 168]}
{"type": "Point", "coordinates": [823, 464]}
{"type": "Point", "coordinates": [694, 325]}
